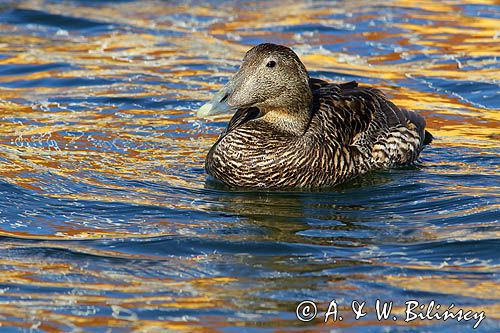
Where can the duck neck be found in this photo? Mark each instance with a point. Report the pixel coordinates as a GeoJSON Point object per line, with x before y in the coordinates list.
{"type": "Point", "coordinates": [293, 118]}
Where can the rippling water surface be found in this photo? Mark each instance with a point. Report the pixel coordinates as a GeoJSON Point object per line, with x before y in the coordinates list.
{"type": "Point", "coordinates": [107, 220]}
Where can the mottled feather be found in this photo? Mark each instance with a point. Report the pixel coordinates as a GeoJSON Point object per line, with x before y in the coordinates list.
{"type": "Point", "coordinates": [351, 130]}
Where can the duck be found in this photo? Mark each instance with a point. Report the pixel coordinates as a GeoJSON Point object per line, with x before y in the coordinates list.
{"type": "Point", "coordinates": [293, 131]}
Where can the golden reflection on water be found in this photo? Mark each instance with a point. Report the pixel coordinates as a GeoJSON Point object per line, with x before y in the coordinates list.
{"type": "Point", "coordinates": [41, 138]}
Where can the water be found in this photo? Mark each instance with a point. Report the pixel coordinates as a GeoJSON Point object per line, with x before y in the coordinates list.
{"type": "Point", "coordinates": [107, 220]}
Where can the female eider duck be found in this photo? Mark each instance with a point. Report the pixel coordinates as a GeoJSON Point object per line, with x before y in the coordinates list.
{"type": "Point", "coordinates": [290, 130]}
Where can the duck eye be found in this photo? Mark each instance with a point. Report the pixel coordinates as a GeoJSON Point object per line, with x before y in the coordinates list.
{"type": "Point", "coordinates": [271, 64]}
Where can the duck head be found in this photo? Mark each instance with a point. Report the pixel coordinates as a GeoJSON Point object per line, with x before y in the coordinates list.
{"type": "Point", "coordinates": [271, 78]}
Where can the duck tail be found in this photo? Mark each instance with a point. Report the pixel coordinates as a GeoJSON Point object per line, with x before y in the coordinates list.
{"type": "Point", "coordinates": [428, 137]}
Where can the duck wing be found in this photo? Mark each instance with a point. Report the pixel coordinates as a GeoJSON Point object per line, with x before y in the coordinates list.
{"type": "Point", "coordinates": [365, 118]}
{"type": "Point", "coordinates": [315, 84]}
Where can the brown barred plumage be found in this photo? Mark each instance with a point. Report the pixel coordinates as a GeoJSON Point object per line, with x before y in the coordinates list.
{"type": "Point", "coordinates": [342, 130]}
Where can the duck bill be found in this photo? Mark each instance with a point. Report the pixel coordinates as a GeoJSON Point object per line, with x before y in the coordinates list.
{"type": "Point", "coordinates": [218, 104]}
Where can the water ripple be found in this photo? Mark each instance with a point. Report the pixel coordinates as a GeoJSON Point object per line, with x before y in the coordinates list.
{"type": "Point", "coordinates": [107, 218]}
